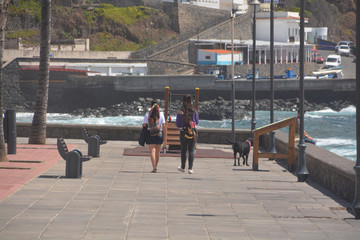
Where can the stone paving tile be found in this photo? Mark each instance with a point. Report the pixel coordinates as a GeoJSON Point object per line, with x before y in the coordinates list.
{"type": "Point", "coordinates": [118, 198]}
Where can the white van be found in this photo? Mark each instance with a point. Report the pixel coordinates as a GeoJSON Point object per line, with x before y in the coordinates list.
{"type": "Point", "coordinates": [333, 61]}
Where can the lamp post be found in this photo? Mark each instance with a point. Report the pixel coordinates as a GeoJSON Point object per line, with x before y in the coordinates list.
{"type": "Point", "coordinates": [272, 134]}
{"type": "Point", "coordinates": [302, 172]}
{"type": "Point", "coordinates": [356, 204]}
{"type": "Point", "coordinates": [220, 29]}
{"type": "Point", "coordinates": [232, 76]}
{"type": "Point", "coordinates": [253, 122]}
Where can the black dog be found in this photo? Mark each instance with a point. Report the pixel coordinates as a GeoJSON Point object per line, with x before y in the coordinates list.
{"type": "Point", "coordinates": [243, 148]}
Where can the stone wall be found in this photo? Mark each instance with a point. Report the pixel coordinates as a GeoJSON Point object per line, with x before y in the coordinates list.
{"type": "Point", "coordinates": [81, 91]}
{"type": "Point", "coordinates": [204, 18]}
{"type": "Point", "coordinates": [124, 133]}
{"type": "Point", "coordinates": [242, 30]}
{"type": "Point", "coordinates": [327, 169]}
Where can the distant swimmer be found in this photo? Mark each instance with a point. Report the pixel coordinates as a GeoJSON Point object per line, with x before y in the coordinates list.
{"type": "Point", "coordinates": [307, 137]}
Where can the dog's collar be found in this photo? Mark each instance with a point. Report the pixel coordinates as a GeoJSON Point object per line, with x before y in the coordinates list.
{"type": "Point", "coordinates": [248, 142]}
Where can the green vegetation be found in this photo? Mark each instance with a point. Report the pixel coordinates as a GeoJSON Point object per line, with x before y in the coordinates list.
{"type": "Point", "coordinates": [31, 7]}
{"type": "Point", "coordinates": [22, 33]}
{"type": "Point", "coordinates": [127, 16]}
{"type": "Point", "coordinates": [109, 28]}
{"type": "Point", "coordinates": [106, 42]}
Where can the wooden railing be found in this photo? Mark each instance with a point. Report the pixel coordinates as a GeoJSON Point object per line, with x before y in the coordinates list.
{"type": "Point", "coordinates": [290, 155]}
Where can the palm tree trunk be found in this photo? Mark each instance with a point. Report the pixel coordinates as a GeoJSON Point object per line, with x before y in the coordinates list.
{"type": "Point", "coordinates": [38, 127]}
{"type": "Point", "coordinates": [3, 17]}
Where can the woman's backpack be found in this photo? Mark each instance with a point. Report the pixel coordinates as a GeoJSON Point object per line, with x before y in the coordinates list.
{"type": "Point", "coordinates": [154, 128]}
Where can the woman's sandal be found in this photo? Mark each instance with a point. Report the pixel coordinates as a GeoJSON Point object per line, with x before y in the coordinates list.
{"type": "Point", "coordinates": [154, 170]}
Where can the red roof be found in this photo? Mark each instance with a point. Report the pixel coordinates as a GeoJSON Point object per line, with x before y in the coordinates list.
{"type": "Point", "coordinates": [220, 51]}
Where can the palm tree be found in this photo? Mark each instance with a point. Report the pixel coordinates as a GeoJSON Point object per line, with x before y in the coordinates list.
{"type": "Point", "coordinates": [38, 127]}
{"type": "Point", "coordinates": [3, 17]}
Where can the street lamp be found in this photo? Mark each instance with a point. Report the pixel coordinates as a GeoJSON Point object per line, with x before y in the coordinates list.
{"type": "Point", "coordinates": [220, 46]}
{"type": "Point", "coordinates": [253, 122]}
{"type": "Point", "coordinates": [232, 76]}
{"type": "Point", "coordinates": [302, 172]}
{"type": "Point", "coordinates": [356, 204]}
{"type": "Point", "coordinates": [272, 148]}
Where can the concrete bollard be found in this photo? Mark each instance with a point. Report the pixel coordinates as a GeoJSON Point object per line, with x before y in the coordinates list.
{"type": "Point", "coordinates": [94, 146]}
{"type": "Point", "coordinates": [73, 165]}
{"type": "Point", "coordinates": [10, 130]}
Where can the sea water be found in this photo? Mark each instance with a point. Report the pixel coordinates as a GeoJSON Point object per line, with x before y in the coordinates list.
{"type": "Point", "coordinates": [334, 131]}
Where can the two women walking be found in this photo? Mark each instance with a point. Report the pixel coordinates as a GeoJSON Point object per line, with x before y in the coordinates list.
{"type": "Point", "coordinates": [186, 120]}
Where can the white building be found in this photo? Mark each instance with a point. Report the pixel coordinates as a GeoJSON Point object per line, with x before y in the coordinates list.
{"type": "Point", "coordinates": [92, 68]}
{"type": "Point", "coordinates": [240, 5]}
{"type": "Point", "coordinates": [284, 52]}
{"type": "Point", "coordinates": [286, 26]}
{"type": "Point", "coordinates": [311, 34]}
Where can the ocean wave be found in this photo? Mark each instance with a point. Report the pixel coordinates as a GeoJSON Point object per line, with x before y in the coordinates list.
{"type": "Point", "coordinates": [335, 142]}
{"type": "Point", "coordinates": [313, 116]}
{"type": "Point", "coordinates": [326, 110]}
{"type": "Point", "coordinates": [349, 109]}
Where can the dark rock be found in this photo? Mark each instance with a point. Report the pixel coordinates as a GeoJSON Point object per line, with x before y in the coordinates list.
{"type": "Point", "coordinates": [216, 109]}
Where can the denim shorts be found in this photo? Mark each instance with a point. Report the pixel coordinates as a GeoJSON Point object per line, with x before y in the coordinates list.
{"type": "Point", "coordinates": [155, 139]}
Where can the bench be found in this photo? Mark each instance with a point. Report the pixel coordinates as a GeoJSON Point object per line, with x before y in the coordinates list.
{"type": "Point", "coordinates": [73, 158]}
{"type": "Point", "coordinates": [93, 142]}
{"type": "Point", "coordinates": [86, 136]}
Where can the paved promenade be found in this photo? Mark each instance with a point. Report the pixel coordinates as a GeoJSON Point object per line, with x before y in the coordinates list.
{"type": "Point", "coordinates": [118, 198]}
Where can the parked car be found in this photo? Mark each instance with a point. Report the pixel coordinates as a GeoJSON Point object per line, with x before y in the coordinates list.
{"type": "Point", "coordinates": [344, 50]}
{"type": "Point", "coordinates": [316, 56]}
{"type": "Point", "coordinates": [333, 61]}
{"type": "Point", "coordinates": [347, 43]}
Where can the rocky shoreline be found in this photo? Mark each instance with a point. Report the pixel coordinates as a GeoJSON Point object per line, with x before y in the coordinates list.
{"type": "Point", "coordinates": [216, 109]}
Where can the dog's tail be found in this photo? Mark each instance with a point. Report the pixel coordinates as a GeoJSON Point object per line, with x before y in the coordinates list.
{"type": "Point", "coordinates": [231, 142]}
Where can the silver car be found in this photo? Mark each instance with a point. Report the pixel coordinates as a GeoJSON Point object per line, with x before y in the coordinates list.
{"type": "Point", "coordinates": [347, 43]}
{"type": "Point", "coordinates": [344, 50]}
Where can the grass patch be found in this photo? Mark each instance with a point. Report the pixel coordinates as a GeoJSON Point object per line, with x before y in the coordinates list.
{"type": "Point", "coordinates": [31, 7]}
{"type": "Point", "coordinates": [127, 16]}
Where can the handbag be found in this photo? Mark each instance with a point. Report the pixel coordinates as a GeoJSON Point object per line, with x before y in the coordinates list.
{"type": "Point", "coordinates": [143, 135]}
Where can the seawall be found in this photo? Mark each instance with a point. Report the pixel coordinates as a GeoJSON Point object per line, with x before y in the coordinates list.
{"type": "Point", "coordinates": [72, 92]}
{"type": "Point", "coordinates": [325, 168]}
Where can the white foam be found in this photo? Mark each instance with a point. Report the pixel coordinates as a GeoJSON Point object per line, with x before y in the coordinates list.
{"type": "Point", "coordinates": [334, 142]}
{"type": "Point", "coordinates": [326, 110]}
{"type": "Point", "coordinates": [350, 109]}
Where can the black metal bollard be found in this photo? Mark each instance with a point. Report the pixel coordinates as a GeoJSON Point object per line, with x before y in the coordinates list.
{"type": "Point", "coordinates": [10, 123]}
{"type": "Point", "coordinates": [73, 165]}
{"type": "Point", "coordinates": [94, 146]}
{"type": "Point", "coordinates": [5, 126]}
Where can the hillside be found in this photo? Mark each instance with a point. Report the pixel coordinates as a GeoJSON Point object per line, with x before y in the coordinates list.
{"type": "Point", "coordinates": [113, 28]}
{"type": "Point", "coordinates": [107, 27]}
{"type": "Point", "coordinates": [338, 15]}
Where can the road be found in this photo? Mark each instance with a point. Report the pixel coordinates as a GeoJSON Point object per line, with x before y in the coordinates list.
{"type": "Point", "coordinates": [349, 67]}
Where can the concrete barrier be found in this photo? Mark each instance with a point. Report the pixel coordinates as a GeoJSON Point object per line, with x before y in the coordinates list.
{"type": "Point", "coordinates": [325, 168]}
{"type": "Point", "coordinates": [124, 133]}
